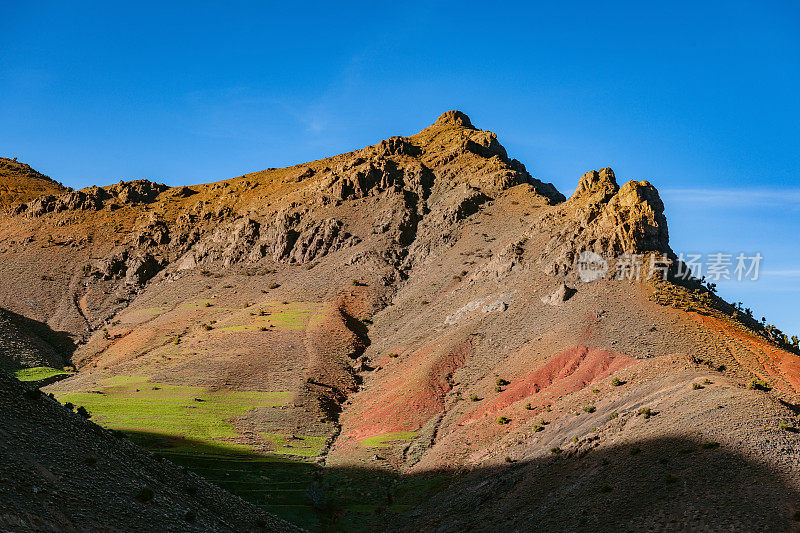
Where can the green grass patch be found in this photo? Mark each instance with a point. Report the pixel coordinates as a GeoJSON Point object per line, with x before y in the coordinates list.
{"type": "Point", "coordinates": [38, 373]}
{"type": "Point", "coordinates": [301, 445]}
{"type": "Point", "coordinates": [385, 440]}
{"type": "Point", "coordinates": [175, 413]}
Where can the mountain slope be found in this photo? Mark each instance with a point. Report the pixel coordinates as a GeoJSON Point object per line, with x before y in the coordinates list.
{"type": "Point", "coordinates": [20, 183]}
{"type": "Point", "coordinates": [392, 318]}
{"type": "Point", "coordinates": [63, 473]}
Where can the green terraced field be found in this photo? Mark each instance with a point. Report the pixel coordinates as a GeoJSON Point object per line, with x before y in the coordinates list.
{"type": "Point", "coordinates": [38, 373]}
{"type": "Point", "coordinates": [133, 404]}
{"type": "Point", "coordinates": [385, 440]}
{"type": "Point", "coordinates": [190, 426]}
{"type": "Point", "coordinates": [301, 445]}
{"type": "Point", "coordinates": [293, 315]}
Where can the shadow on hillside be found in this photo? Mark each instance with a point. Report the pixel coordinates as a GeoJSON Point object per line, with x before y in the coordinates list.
{"type": "Point", "coordinates": [59, 343]}
{"type": "Point", "coordinates": [659, 484]}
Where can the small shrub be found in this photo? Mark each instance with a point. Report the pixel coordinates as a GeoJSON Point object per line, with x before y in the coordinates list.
{"type": "Point", "coordinates": [646, 412]}
{"type": "Point", "coordinates": [473, 398]}
{"type": "Point", "coordinates": [537, 428]}
{"type": "Point", "coordinates": [424, 302]}
{"type": "Point", "coordinates": [696, 386]}
{"type": "Point", "coordinates": [596, 391]}
{"type": "Point", "coordinates": [274, 285]}
{"type": "Point", "coordinates": [575, 439]}
{"type": "Point", "coordinates": [208, 327]}
{"type": "Point", "coordinates": [262, 328]}
{"type": "Point", "coordinates": [759, 384]}
{"type": "Point", "coordinates": [498, 389]}
{"type": "Point", "coordinates": [589, 408]}
{"type": "Point", "coordinates": [145, 494]}
{"type": "Point", "coordinates": [616, 382]}
{"type": "Point", "coordinates": [612, 416]}
{"type": "Point", "coordinates": [783, 426]}
{"type": "Point", "coordinates": [556, 450]}
{"type": "Point", "coordinates": [502, 420]}
{"type": "Point", "coordinates": [208, 304]}
{"type": "Point", "coordinates": [83, 412]}
{"type": "Point", "coordinates": [394, 355]}
{"type": "Point", "coordinates": [502, 382]}
{"type": "Point", "coordinates": [509, 459]}
{"type": "Point", "coordinates": [707, 381]}
{"type": "Point", "coordinates": [69, 405]}
{"type": "Point", "coordinates": [177, 340]}
{"type": "Point", "coordinates": [528, 406]}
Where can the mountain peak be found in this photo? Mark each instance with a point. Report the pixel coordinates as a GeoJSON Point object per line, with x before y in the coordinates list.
{"type": "Point", "coordinates": [454, 118]}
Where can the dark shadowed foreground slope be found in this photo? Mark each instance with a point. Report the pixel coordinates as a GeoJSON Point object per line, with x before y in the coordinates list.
{"type": "Point", "coordinates": [60, 472]}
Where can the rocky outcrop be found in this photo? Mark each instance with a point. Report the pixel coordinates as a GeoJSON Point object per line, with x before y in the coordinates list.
{"type": "Point", "coordinates": [559, 296]}
{"type": "Point", "coordinates": [137, 269]}
{"type": "Point", "coordinates": [93, 198]}
{"type": "Point", "coordinates": [606, 219]}
{"type": "Point", "coordinates": [320, 239]}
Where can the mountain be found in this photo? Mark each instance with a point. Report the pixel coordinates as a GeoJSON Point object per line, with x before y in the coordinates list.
{"type": "Point", "coordinates": [404, 336]}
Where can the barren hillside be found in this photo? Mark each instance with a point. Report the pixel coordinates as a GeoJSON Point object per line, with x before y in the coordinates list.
{"type": "Point", "coordinates": [398, 337]}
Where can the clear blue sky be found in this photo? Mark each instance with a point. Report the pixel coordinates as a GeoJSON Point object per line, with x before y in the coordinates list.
{"type": "Point", "coordinates": [700, 98]}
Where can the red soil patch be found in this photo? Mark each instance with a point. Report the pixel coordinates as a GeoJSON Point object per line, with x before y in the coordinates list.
{"type": "Point", "coordinates": [413, 394]}
{"type": "Point", "coordinates": [565, 373]}
{"type": "Point", "coordinates": [779, 367]}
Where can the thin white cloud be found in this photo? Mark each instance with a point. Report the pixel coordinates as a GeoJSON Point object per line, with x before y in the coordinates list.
{"type": "Point", "coordinates": [788, 197]}
{"type": "Point", "coordinates": [782, 273]}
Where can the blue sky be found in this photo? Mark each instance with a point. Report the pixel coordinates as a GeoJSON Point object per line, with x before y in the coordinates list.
{"type": "Point", "coordinates": [700, 98]}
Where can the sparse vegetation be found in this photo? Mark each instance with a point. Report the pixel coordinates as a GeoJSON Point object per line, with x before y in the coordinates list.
{"type": "Point", "coordinates": [616, 382]}
{"type": "Point", "coordinates": [555, 450]}
{"type": "Point", "coordinates": [759, 384]}
{"type": "Point", "coordinates": [696, 386]}
{"type": "Point", "coordinates": [589, 408]}
{"type": "Point", "coordinates": [503, 420]}
{"type": "Point", "coordinates": [645, 412]}
{"type": "Point", "coordinates": [528, 406]}
{"type": "Point", "coordinates": [612, 416]}
{"type": "Point", "coordinates": [473, 398]}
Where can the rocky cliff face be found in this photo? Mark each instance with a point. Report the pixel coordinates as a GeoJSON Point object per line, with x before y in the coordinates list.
{"type": "Point", "coordinates": [606, 219]}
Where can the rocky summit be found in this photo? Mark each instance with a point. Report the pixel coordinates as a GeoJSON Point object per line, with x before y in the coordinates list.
{"type": "Point", "coordinates": [395, 338]}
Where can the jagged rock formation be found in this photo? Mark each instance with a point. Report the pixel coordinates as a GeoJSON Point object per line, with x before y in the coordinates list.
{"type": "Point", "coordinates": [606, 219]}
{"type": "Point", "coordinates": [94, 198]}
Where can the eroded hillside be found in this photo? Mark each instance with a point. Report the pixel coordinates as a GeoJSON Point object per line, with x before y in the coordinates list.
{"type": "Point", "coordinates": [405, 325]}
